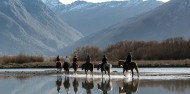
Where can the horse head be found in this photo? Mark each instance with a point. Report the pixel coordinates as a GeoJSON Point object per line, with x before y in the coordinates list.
{"type": "Point", "coordinates": [99, 65]}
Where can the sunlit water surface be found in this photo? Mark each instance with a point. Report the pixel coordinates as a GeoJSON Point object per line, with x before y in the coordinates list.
{"type": "Point", "coordinates": [151, 81]}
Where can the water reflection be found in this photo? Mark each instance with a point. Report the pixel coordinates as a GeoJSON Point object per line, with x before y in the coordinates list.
{"type": "Point", "coordinates": [75, 85]}
{"type": "Point", "coordinates": [66, 84]}
{"type": "Point", "coordinates": [129, 87]}
{"type": "Point", "coordinates": [105, 86]}
{"type": "Point", "coordinates": [58, 83]}
{"type": "Point", "coordinates": [88, 84]}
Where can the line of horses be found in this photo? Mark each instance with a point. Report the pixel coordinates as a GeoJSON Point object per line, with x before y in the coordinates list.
{"type": "Point", "coordinates": [89, 67]}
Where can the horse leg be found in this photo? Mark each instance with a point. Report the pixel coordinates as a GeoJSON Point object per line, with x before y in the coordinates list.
{"type": "Point", "coordinates": [132, 72]}
{"type": "Point", "coordinates": [92, 74]}
{"type": "Point", "coordinates": [123, 71]}
{"type": "Point", "coordinates": [109, 73]}
{"type": "Point", "coordinates": [136, 68]}
{"type": "Point", "coordinates": [102, 74]}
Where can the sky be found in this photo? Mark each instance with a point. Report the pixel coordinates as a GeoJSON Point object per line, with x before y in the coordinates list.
{"type": "Point", "coordinates": [95, 1]}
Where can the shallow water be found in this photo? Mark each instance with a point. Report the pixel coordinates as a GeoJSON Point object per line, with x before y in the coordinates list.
{"type": "Point", "coordinates": [151, 80]}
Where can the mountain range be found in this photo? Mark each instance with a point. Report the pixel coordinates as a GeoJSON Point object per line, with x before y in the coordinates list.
{"type": "Point", "coordinates": [89, 18]}
{"type": "Point", "coordinates": [171, 19]}
{"type": "Point", "coordinates": [29, 26]}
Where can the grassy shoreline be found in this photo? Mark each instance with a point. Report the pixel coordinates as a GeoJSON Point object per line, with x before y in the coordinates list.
{"type": "Point", "coordinates": [141, 64]}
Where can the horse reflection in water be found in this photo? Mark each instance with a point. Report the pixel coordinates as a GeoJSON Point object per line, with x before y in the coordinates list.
{"type": "Point", "coordinates": [66, 84]}
{"type": "Point", "coordinates": [75, 85]}
{"type": "Point", "coordinates": [105, 86]}
{"type": "Point", "coordinates": [129, 87]}
{"type": "Point", "coordinates": [58, 83]}
{"type": "Point", "coordinates": [88, 85]}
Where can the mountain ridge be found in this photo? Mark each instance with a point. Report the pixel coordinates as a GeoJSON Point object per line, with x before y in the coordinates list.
{"type": "Point", "coordinates": [31, 27]}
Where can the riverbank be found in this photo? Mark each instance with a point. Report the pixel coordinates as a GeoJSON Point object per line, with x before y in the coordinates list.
{"type": "Point", "coordinates": [141, 64]}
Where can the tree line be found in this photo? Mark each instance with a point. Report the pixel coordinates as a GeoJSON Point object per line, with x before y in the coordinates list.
{"type": "Point", "coordinates": [169, 49]}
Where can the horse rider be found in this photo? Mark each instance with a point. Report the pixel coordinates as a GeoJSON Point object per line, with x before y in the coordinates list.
{"type": "Point", "coordinates": [75, 59]}
{"type": "Point", "coordinates": [67, 60]}
{"type": "Point", "coordinates": [128, 59]}
{"type": "Point", "coordinates": [104, 61]}
{"type": "Point", "coordinates": [57, 59]}
{"type": "Point", "coordinates": [88, 59]}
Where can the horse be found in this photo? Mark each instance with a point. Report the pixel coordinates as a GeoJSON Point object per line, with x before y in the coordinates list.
{"type": "Point", "coordinates": [66, 67]}
{"type": "Point", "coordinates": [58, 66]}
{"type": "Point", "coordinates": [107, 68]}
{"type": "Point", "coordinates": [130, 66]}
{"type": "Point", "coordinates": [88, 66]}
{"type": "Point", "coordinates": [75, 66]}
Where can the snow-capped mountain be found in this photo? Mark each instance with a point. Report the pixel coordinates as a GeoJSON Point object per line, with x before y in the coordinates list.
{"type": "Point", "coordinates": [29, 26]}
{"type": "Point", "coordinates": [89, 18]}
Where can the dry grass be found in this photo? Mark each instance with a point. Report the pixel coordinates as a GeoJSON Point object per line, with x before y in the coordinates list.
{"type": "Point", "coordinates": [22, 61]}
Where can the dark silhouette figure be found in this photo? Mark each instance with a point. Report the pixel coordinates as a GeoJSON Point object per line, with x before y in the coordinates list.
{"type": "Point", "coordinates": [129, 87]}
{"type": "Point", "coordinates": [104, 62]}
{"type": "Point", "coordinates": [58, 83]}
{"type": "Point", "coordinates": [58, 65]}
{"type": "Point", "coordinates": [66, 84]}
{"type": "Point", "coordinates": [75, 84]}
{"type": "Point", "coordinates": [88, 85]}
{"type": "Point", "coordinates": [105, 86]}
{"type": "Point", "coordinates": [58, 58]}
{"type": "Point", "coordinates": [75, 64]}
{"type": "Point", "coordinates": [128, 59]}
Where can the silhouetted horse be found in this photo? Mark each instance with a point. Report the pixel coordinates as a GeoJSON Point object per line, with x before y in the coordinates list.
{"type": "Point", "coordinates": [130, 66]}
{"type": "Point", "coordinates": [88, 85]}
{"type": "Point", "coordinates": [58, 83]}
{"type": "Point", "coordinates": [66, 67]}
{"type": "Point", "coordinates": [107, 68]}
{"type": "Point", "coordinates": [129, 87]}
{"type": "Point", "coordinates": [75, 66]}
{"type": "Point", "coordinates": [75, 85]}
{"type": "Point", "coordinates": [66, 84]}
{"type": "Point", "coordinates": [88, 66]}
{"type": "Point", "coordinates": [105, 86]}
{"type": "Point", "coordinates": [58, 66]}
